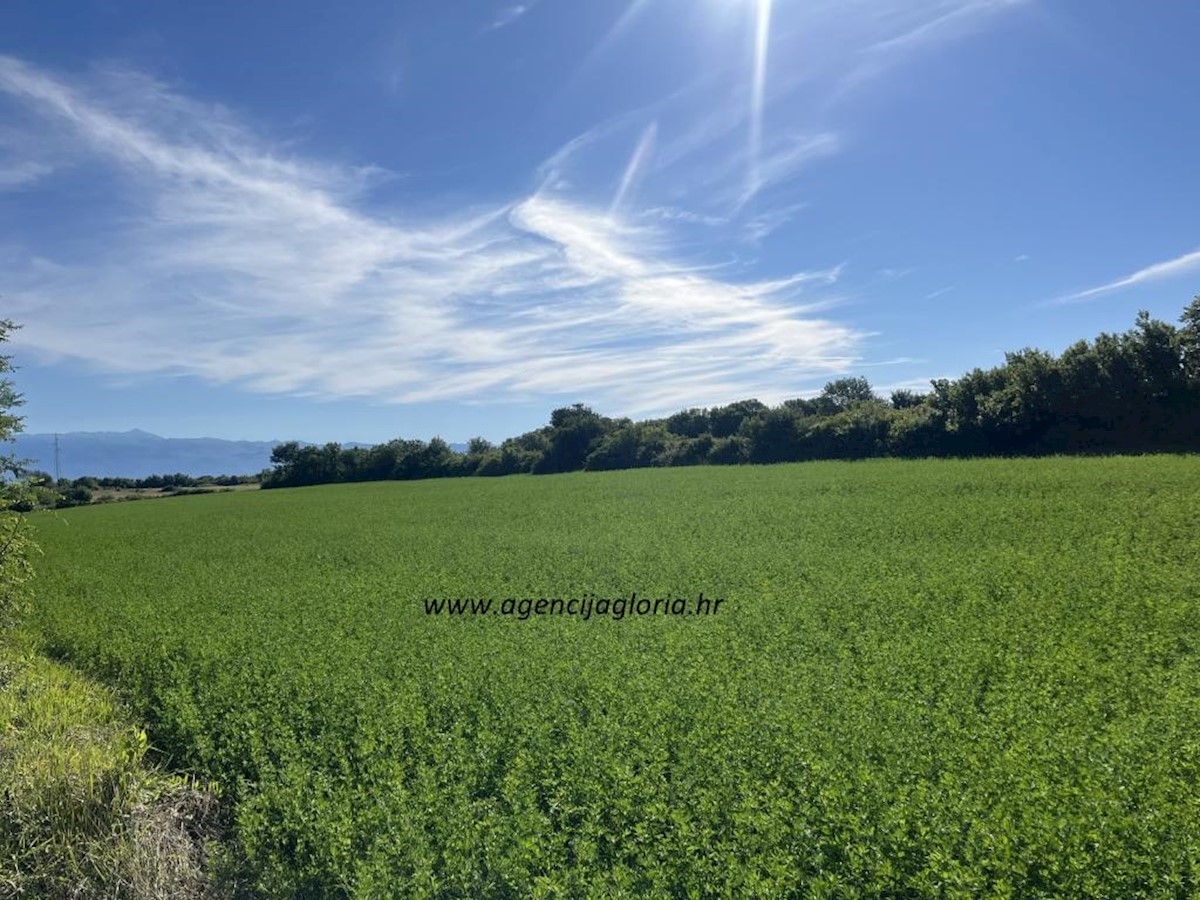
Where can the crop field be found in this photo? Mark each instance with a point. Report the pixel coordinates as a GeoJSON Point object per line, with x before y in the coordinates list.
{"type": "Point", "coordinates": [927, 679]}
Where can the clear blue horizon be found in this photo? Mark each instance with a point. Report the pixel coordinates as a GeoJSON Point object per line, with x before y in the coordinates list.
{"type": "Point", "coordinates": [268, 221]}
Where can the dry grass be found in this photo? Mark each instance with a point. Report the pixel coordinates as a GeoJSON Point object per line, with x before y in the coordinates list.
{"type": "Point", "coordinates": [119, 495]}
{"type": "Point", "coordinates": [165, 848]}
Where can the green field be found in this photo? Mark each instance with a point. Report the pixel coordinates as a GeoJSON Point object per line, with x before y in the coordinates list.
{"type": "Point", "coordinates": [934, 678]}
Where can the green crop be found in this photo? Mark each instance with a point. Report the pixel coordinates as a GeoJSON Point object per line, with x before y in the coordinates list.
{"type": "Point", "coordinates": [929, 679]}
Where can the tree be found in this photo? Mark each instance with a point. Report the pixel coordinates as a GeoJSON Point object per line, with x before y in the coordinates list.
{"type": "Point", "coordinates": [906, 399]}
{"type": "Point", "coordinates": [843, 394]}
{"type": "Point", "coordinates": [630, 447]}
{"type": "Point", "coordinates": [773, 437]}
{"type": "Point", "coordinates": [688, 423]}
{"type": "Point", "coordinates": [1189, 340]}
{"type": "Point", "coordinates": [727, 420]}
{"type": "Point", "coordinates": [1135, 391]}
{"type": "Point", "coordinates": [479, 446]}
{"type": "Point", "coordinates": [573, 432]}
{"type": "Point", "coordinates": [16, 546]}
{"type": "Point", "coordinates": [801, 406]}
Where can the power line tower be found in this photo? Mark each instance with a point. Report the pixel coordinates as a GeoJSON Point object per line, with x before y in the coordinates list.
{"type": "Point", "coordinates": [57, 462]}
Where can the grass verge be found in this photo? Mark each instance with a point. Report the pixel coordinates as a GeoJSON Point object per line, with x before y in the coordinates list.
{"type": "Point", "coordinates": [83, 813]}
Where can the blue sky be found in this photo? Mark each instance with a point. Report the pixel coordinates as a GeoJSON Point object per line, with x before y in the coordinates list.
{"type": "Point", "coordinates": [368, 220]}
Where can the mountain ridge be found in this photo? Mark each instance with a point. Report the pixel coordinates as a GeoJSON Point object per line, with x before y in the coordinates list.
{"type": "Point", "coordinates": [137, 453]}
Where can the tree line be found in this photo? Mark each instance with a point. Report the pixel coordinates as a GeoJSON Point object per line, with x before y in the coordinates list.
{"type": "Point", "coordinates": [44, 491]}
{"type": "Point", "coordinates": [1137, 391]}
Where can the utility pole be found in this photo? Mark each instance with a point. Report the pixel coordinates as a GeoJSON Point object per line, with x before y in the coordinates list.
{"type": "Point", "coordinates": [57, 474]}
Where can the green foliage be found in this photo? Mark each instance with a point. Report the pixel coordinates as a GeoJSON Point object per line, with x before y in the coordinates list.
{"type": "Point", "coordinates": [10, 422]}
{"type": "Point", "coordinates": [726, 421]}
{"type": "Point", "coordinates": [906, 399]}
{"type": "Point", "coordinates": [573, 432]}
{"type": "Point", "coordinates": [1134, 392]}
{"type": "Point", "coordinates": [79, 496]}
{"type": "Point", "coordinates": [932, 679]}
{"type": "Point", "coordinates": [843, 394]}
{"type": "Point", "coordinates": [16, 545]}
{"type": "Point", "coordinates": [478, 446]}
{"type": "Point", "coordinates": [631, 447]}
{"type": "Point", "coordinates": [1189, 341]}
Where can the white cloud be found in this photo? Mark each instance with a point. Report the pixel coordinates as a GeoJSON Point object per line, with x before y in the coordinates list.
{"type": "Point", "coordinates": [1180, 265]}
{"type": "Point", "coordinates": [893, 30]}
{"type": "Point", "coordinates": [225, 259]}
{"type": "Point", "coordinates": [674, 214]}
{"type": "Point", "coordinates": [213, 252]}
{"type": "Point", "coordinates": [713, 155]}
{"type": "Point", "coordinates": [16, 175]}
{"type": "Point", "coordinates": [510, 14]}
{"type": "Point", "coordinates": [787, 158]}
{"type": "Point", "coordinates": [947, 19]}
{"type": "Point", "coordinates": [761, 226]}
{"type": "Point", "coordinates": [637, 162]}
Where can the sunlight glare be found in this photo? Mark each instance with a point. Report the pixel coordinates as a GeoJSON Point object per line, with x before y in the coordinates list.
{"type": "Point", "coordinates": [762, 37]}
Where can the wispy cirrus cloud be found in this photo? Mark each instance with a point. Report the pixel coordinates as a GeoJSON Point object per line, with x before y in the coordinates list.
{"type": "Point", "coordinates": [901, 29]}
{"type": "Point", "coordinates": [763, 225]}
{"type": "Point", "coordinates": [214, 252]}
{"type": "Point", "coordinates": [17, 175]}
{"type": "Point", "coordinates": [511, 13]}
{"type": "Point", "coordinates": [637, 162]}
{"type": "Point", "coordinates": [930, 23]}
{"type": "Point", "coordinates": [1180, 265]}
{"type": "Point", "coordinates": [675, 214]}
{"type": "Point", "coordinates": [790, 155]}
{"type": "Point", "coordinates": [226, 259]}
{"type": "Point", "coordinates": [733, 143]}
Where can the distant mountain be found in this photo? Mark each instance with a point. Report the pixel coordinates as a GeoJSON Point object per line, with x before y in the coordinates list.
{"type": "Point", "coordinates": [136, 454]}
